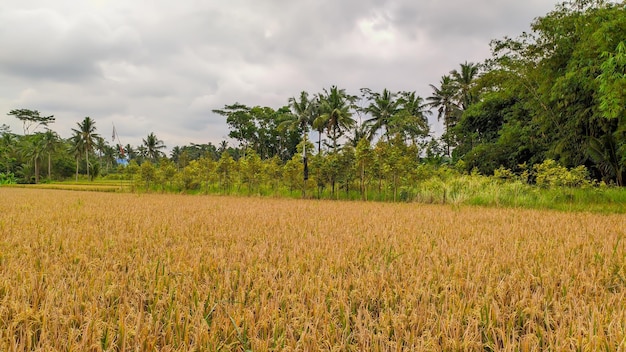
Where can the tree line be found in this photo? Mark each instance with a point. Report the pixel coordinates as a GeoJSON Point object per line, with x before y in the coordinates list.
{"type": "Point", "coordinates": [556, 93]}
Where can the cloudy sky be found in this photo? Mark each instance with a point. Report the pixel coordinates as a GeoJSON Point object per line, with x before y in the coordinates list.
{"type": "Point", "coordinates": [161, 66]}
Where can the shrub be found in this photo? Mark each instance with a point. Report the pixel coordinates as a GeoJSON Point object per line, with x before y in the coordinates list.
{"type": "Point", "coordinates": [551, 174]}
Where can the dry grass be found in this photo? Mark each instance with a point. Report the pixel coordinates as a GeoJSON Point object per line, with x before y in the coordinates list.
{"type": "Point", "coordinates": [91, 187]}
{"type": "Point", "coordinates": [98, 271]}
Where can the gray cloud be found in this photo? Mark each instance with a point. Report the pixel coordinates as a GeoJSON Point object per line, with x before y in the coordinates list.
{"type": "Point", "coordinates": [162, 66]}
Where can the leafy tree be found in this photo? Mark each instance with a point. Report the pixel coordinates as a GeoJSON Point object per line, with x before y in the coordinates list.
{"type": "Point", "coordinates": [226, 168]}
{"type": "Point", "coordinates": [31, 119]}
{"type": "Point", "coordinates": [257, 128]}
{"type": "Point", "coordinates": [612, 89]}
{"type": "Point", "coordinates": [250, 167]}
{"type": "Point", "coordinates": [148, 173]}
{"type": "Point", "coordinates": [563, 65]}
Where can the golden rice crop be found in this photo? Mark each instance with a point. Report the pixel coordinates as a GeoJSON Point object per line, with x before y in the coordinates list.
{"type": "Point", "coordinates": [102, 271]}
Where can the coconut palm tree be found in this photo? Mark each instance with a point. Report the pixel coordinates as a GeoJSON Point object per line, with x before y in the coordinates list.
{"type": "Point", "coordinates": [50, 142]}
{"type": "Point", "coordinates": [335, 106]}
{"type": "Point", "coordinates": [153, 147]}
{"type": "Point", "coordinates": [382, 108]}
{"type": "Point", "coordinates": [131, 152]}
{"type": "Point", "coordinates": [411, 121]}
{"type": "Point", "coordinates": [301, 116]}
{"type": "Point", "coordinates": [301, 110]}
{"type": "Point", "coordinates": [8, 142]}
{"type": "Point", "coordinates": [463, 82]}
{"type": "Point", "coordinates": [443, 99]}
{"type": "Point", "coordinates": [33, 150]}
{"type": "Point", "coordinates": [76, 148]}
{"type": "Point", "coordinates": [88, 136]}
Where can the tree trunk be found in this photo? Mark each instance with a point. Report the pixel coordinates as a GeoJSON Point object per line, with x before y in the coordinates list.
{"type": "Point", "coordinates": [36, 170]}
{"type": "Point", "coordinates": [363, 195]}
{"type": "Point", "coordinates": [319, 142]}
{"type": "Point", "coordinates": [87, 161]}
{"type": "Point", "coordinates": [49, 167]}
{"type": "Point", "coordinates": [77, 169]}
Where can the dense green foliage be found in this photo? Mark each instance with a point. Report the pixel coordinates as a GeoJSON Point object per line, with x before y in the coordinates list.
{"type": "Point", "coordinates": [547, 109]}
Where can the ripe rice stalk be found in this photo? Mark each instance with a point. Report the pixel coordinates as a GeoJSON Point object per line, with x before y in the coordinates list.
{"type": "Point", "coordinates": [114, 271]}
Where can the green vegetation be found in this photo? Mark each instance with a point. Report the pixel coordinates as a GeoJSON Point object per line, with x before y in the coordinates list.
{"type": "Point", "coordinates": [541, 123]}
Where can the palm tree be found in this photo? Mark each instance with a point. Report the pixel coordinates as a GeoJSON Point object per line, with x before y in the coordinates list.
{"type": "Point", "coordinates": [101, 146]}
{"type": "Point", "coordinates": [76, 148]}
{"type": "Point", "coordinates": [8, 142]}
{"type": "Point", "coordinates": [412, 120]}
{"type": "Point", "coordinates": [301, 111]}
{"type": "Point", "coordinates": [153, 147]}
{"type": "Point", "coordinates": [382, 108]}
{"type": "Point", "coordinates": [33, 150]}
{"type": "Point", "coordinates": [301, 116]}
{"type": "Point", "coordinates": [175, 155]}
{"type": "Point", "coordinates": [109, 154]}
{"type": "Point", "coordinates": [463, 81]}
{"type": "Point", "coordinates": [222, 147]}
{"type": "Point", "coordinates": [443, 99]}
{"type": "Point", "coordinates": [319, 121]}
{"type": "Point", "coordinates": [50, 141]}
{"type": "Point", "coordinates": [88, 136]}
{"type": "Point", "coordinates": [131, 153]}
{"type": "Point", "coordinates": [335, 111]}
{"type": "Point", "coordinates": [359, 132]}
{"type": "Point", "coordinates": [142, 153]}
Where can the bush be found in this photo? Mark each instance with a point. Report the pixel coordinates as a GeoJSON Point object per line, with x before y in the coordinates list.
{"type": "Point", "coordinates": [551, 174]}
{"type": "Point", "coordinates": [7, 179]}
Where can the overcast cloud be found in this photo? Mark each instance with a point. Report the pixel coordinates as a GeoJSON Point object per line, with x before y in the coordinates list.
{"type": "Point", "coordinates": [161, 66]}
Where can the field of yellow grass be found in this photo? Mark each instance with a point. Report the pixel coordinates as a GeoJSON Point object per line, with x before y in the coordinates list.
{"type": "Point", "coordinates": [108, 271]}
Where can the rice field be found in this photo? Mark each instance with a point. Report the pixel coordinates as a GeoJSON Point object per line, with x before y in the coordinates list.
{"type": "Point", "coordinates": [86, 271]}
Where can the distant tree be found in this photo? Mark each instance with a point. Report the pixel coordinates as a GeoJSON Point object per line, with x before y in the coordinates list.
{"type": "Point", "coordinates": [443, 99]}
{"type": "Point", "coordinates": [76, 149]}
{"type": "Point", "coordinates": [463, 84]}
{"type": "Point", "coordinates": [31, 119]}
{"type": "Point", "coordinates": [382, 108]}
{"type": "Point", "coordinates": [131, 152]}
{"type": "Point", "coordinates": [153, 147]}
{"type": "Point", "coordinates": [336, 115]}
{"type": "Point", "coordinates": [33, 150]}
{"type": "Point", "coordinates": [411, 121]}
{"type": "Point", "coordinates": [87, 136]}
{"type": "Point", "coordinates": [50, 142]}
{"type": "Point", "coordinates": [8, 143]}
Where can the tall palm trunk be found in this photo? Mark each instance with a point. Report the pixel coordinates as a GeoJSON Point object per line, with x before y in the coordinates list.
{"type": "Point", "coordinates": [87, 161]}
{"type": "Point", "coordinates": [49, 167]}
{"type": "Point", "coordinates": [319, 142]}
{"type": "Point", "coordinates": [36, 170]}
